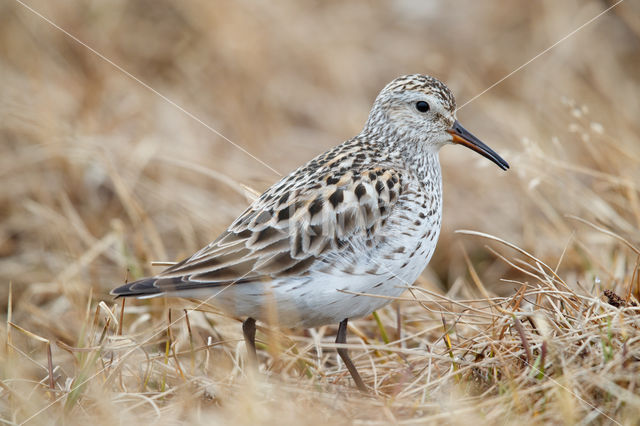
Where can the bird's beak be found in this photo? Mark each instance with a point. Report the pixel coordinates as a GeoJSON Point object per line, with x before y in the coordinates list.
{"type": "Point", "coordinates": [461, 136]}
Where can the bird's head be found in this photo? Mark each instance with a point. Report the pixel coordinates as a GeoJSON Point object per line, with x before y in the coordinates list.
{"type": "Point", "coordinates": [421, 109]}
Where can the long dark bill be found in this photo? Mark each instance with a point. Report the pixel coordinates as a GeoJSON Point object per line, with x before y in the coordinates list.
{"type": "Point", "coordinates": [463, 137]}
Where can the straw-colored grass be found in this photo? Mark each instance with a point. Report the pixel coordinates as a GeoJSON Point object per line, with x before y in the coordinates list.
{"type": "Point", "coordinates": [527, 314]}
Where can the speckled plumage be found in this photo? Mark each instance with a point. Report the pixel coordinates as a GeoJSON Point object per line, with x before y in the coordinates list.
{"type": "Point", "coordinates": [363, 217]}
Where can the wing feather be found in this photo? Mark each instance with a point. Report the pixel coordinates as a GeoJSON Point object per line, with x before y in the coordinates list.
{"type": "Point", "coordinates": [285, 232]}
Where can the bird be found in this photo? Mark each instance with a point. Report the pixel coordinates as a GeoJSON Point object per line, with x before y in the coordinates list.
{"type": "Point", "coordinates": [340, 236]}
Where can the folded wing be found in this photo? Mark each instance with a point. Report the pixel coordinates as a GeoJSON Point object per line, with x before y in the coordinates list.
{"type": "Point", "coordinates": [285, 232]}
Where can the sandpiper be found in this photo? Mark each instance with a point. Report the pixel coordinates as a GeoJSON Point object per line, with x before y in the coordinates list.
{"type": "Point", "coordinates": [362, 218]}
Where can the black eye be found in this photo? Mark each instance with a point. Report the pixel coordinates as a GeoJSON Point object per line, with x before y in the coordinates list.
{"type": "Point", "coordinates": [422, 106]}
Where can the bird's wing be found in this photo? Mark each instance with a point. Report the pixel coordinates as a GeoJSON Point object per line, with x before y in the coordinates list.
{"type": "Point", "coordinates": [286, 230]}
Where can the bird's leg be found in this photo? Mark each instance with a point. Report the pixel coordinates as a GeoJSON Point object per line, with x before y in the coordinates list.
{"type": "Point", "coordinates": [342, 338]}
{"type": "Point", "coordinates": [249, 331]}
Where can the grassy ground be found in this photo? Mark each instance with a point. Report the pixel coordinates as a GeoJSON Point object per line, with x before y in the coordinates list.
{"type": "Point", "coordinates": [530, 317]}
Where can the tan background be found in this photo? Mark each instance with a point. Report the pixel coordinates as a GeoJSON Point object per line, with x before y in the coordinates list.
{"type": "Point", "coordinates": [285, 81]}
{"type": "Point", "coordinates": [99, 175]}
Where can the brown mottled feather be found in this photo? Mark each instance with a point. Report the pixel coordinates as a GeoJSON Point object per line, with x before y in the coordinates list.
{"type": "Point", "coordinates": [347, 208]}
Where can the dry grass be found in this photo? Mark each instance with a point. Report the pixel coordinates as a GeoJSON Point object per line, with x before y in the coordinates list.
{"type": "Point", "coordinates": [509, 324]}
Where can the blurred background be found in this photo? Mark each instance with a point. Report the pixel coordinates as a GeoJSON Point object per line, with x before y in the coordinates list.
{"type": "Point", "coordinates": [100, 175]}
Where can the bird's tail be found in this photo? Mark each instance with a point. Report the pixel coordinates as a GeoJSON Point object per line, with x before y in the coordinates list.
{"type": "Point", "coordinates": [179, 286]}
{"type": "Point", "coordinates": [145, 287]}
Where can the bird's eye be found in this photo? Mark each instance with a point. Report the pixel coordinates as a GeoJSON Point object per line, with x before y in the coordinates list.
{"type": "Point", "coordinates": [422, 106]}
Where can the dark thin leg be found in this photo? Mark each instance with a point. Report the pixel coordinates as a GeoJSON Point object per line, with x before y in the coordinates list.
{"type": "Point", "coordinates": [342, 338]}
{"type": "Point", "coordinates": [249, 331]}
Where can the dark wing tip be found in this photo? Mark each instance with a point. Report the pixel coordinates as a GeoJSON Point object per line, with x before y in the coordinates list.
{"type": "Point", "coordinates": [143, 287]}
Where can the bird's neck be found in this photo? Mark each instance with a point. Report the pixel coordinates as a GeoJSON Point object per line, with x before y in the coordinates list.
{"type": "Point", "coordinates": [426, 166]}
{"type": "Point", "coordinates": [415, 156]}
